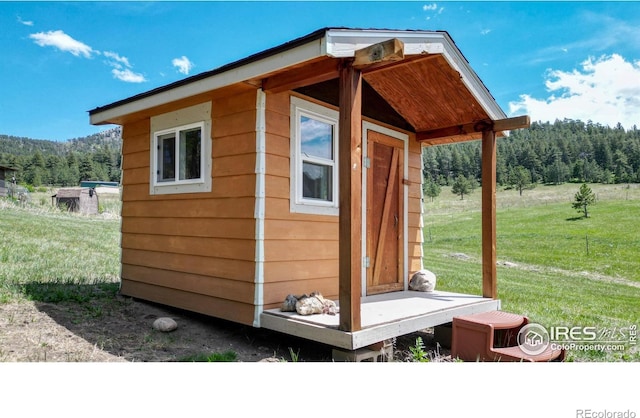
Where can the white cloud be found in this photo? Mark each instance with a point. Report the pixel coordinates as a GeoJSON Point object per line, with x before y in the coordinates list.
{"type": "Point", "coordinates": [116, 60]}
{"type": "Point", "coordinates": [128, 76]}
{"type": "Point", "coordinates": [25, 22]}
{"type": "Point", "coordinates": [183, 64]}
{"type": "Point", "coordinates": [62, 41]}
{"type": "Point", "coordinates": [485, 31]}
{"type": "Point", "coordinates": [605, 90]}
{"type": "Point", "coordinates": [122, 68]}
{"type": "Point", "coordinates": [432, 10]}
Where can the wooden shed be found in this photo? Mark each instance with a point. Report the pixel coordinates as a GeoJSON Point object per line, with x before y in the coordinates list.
{"type": "Point", "coordinates": [83, 200]}
{"type": "Point", "coordinates": [299, 169]}
{"type": "Point", "coordinates": [6, 175]}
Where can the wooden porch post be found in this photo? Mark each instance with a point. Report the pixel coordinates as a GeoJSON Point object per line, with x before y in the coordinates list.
{"type": "Point", "coordinates": [489, 258]}
{"type": "Point", "coordinates": [350, 173]}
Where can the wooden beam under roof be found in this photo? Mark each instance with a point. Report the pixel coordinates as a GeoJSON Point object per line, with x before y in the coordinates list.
{"type": "Point", "coordinates": [387, 51]}
{"type": "Point", "coordinates": [312, 73]}
{"type": "Point", "coordinates": [371, 58]}
{"type": "Point", "coordinates": [473, 130]}
{"type": "Point", "coordinates": [509, 124]}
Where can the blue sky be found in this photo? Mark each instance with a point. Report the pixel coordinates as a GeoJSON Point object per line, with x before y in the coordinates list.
{"type": "Point", "coordinates": [578, 60]}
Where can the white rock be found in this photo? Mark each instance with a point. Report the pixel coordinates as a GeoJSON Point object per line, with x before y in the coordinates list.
{"type": "Point", "coordinates": [423, 281]}
{"type": "Point", "coordinates": [165, 324]}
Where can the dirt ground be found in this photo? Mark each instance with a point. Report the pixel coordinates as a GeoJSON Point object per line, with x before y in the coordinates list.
{"type": "Point", "coordinates": [119, 329]}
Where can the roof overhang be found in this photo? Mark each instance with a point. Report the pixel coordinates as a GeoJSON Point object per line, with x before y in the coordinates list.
{"type": "Point", "coordinates": [320, 47]}
{"type": "Point", "coordinates": [342, 43]}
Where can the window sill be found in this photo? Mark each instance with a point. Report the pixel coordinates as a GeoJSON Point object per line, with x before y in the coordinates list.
{"type": "Point", "coordinates": [202, 187]}
{"type": "Point", "coordinates": [314, 209]}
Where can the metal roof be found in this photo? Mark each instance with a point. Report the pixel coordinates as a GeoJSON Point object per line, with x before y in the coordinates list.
{"type": "Point", "coordinates": [71, 192]}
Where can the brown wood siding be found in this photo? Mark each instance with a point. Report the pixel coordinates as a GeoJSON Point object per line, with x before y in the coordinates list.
{"type": "Point", "coordinates": [137, 160]}
{"type": "Point", "coordinates": [224, 187]}
{"type": "Point", "coordinates": [414, 208]}
{"type": "Point", "coordinates": [195, 251]}
{"type": "Point", "coordinates": [187, 263]}
{"type": "Point", "coordinates": [240, 144]}
{"type": "Point", "coordinates": [174, 207]}
{"type": "Point", "coordinates": [217, 307]}
{"type": "Point", "coordinates": [138, 175]}
{"type": "Point", "coordinates": [191, 227]}
{"type": "Point", "coordinates": [321, 231]}
{"type": "Point", "coordinates": [206, 285]}
{"type": "Point", "coordinates": [138, 136]}
{"type": "Point", "coordinates": [233, 249]}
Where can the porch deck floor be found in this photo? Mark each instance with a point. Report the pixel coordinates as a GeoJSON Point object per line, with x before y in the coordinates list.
{"type": "Point", "coordinates": [383, 317]}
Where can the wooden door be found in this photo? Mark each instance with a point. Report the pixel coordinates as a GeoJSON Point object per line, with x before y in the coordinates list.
{"type": "Point", "coordinates": [385, 213]}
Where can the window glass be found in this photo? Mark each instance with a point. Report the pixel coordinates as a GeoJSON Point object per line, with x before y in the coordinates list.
{"type": "Point", "coordinates": [190, 154]}
{"type": "Point", "coordinates": [167, 157]}
{"type": "Point", "coordinates": [317, 181]}
{"type": "Point", "coordinates": [316, 138]}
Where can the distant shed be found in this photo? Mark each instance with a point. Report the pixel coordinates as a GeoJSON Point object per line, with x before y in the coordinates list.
{"type": "Point", "coordinates": [77, 199]}
{"type": "Point", "coordinates": [5, 173]}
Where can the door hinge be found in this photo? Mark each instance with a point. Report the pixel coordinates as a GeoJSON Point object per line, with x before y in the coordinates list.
{"type": "Point", "coordinates": [367, 162]}
{"type": "Point", "coordinates": [367, 262]}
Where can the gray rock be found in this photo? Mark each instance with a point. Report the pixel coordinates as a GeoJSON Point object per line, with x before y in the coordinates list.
{"type": "Point", "coordinates": [423, 281]}
{"type": "Point", "coordinates": [165, 324]}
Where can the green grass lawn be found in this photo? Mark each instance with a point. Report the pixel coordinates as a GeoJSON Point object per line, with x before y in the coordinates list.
{"type": "Point", "coordinates": [555, 267]}
{"type": "Point", "coordinates": [44, 249]}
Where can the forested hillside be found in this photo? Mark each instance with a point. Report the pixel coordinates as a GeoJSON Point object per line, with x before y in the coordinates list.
{"type": "Point", "coordinates": [557, 152]}
{"type": "Point", "coordinates": [41, 162]}
{"type": "Point", "coordinates": [548, 153]}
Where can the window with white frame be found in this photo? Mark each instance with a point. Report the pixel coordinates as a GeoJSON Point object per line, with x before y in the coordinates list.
{"type": "Point", "coordinates": [314, 158]}
{"type": "Point", "coordinates": [181, 155]}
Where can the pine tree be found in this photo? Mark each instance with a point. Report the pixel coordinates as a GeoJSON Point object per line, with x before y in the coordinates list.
{"type": "Point", "coordinates": [461, 186]}
{"type": "Point", "coordinates": [432, 189]}
{"type": "Point", "coordinates": [86, 168]}
{"type": "Point", "coordinates": [520, 178]}
{"type": "Point", "coordinates": [583, 198]}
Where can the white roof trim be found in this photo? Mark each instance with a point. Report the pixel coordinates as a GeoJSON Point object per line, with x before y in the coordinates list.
{"type": "Point", "coordinates": [342, 43]}
{"type": "Point", "coordinates": [251, 70]}
{"type": "Point", "coordinates": [338, 43]}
